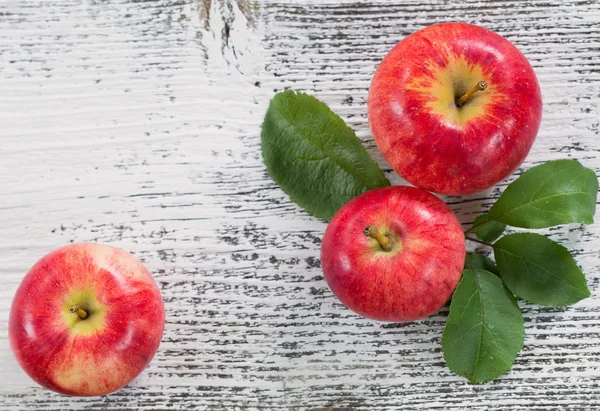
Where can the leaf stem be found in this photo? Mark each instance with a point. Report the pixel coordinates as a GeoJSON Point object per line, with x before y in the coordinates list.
{"type": "Point", "coordinates": [470, 230]}
{"type": "Point", "coordinates": [475, 240]}
{"type": "Point", "coordinates": [469, 266]}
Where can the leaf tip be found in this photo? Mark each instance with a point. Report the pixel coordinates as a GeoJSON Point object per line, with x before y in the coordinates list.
{"type": "Point", "coordinates": [586, 292]}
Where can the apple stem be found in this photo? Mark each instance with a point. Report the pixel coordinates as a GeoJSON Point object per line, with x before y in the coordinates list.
{"type": "Point", "coordinates": [81, 313]}
{"type": "Point", "coordinates": [482, 85]}
{"type": "Point", "coordinates": [386, 243]}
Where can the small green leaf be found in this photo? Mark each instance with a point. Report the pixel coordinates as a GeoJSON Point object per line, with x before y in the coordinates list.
{"type": "Point", "coordinates": [485, 331]}
{"type": "Point", "coordinates": [314, 156]}
{"type": "Point", "coordinates": [556, 192]}
{"type": "Point", "coordinates": [487, 230]}
{"type": "Point", "coordinates": [476, 261]}
{"type": "Point", "coordinates": [539, 270]}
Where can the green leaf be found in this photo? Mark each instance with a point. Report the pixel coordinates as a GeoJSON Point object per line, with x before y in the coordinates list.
{"type": "Point", "coordinates": [314, 156]}
{"type": "Point", "coordinates": [556, 192]}
{"type": "Point", "coordinates": [487, 230]}
{"type": "Point", "coordinates": [485, 331]}
{"type": "Point", "coordinates": [539, 270]}
{"type": "Point", "coordinates": [476, 261]}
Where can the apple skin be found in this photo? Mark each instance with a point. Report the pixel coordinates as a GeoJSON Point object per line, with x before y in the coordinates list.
{"type": "Point", "coordinates": [413, 280]}
{"type": "Point", "coordinates": [105, 351]}
{"type": "Point", "coordinates": [425, 137]}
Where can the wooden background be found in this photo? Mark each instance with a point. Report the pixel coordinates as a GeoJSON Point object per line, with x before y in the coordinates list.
{"type": "Point", "coordinates": [137, 124]}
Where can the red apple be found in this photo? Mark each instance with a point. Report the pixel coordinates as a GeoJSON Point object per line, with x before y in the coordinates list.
{"type": "Point", "coordinates": [86, 320]}
{"type": "Point", "coordinates": [393, 254]}
{"type": "Point", "coordinates": [431, 137]}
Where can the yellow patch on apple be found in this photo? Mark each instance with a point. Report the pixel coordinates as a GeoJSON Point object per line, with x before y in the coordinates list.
{"type": "Point", "coordinates": [85, 300]}
{"type": "Point", "coordinates": [448, 83]}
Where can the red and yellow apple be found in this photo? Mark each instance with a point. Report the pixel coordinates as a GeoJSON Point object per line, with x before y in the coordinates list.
{"type": "Point", "coordinates": [393, 254]}
{"type": "Point", "coordinates": [454, 108]}
{"type": "Point", "coordinates": [86, 320]}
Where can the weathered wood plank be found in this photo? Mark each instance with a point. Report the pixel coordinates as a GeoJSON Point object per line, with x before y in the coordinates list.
{"type": "Point", "coordinates": [137, 123]}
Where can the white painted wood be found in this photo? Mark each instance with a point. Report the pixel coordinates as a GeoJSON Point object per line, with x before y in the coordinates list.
{"type": "Point", "coordinates": [137, 124]}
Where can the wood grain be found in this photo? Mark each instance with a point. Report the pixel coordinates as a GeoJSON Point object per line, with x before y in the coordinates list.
{"type": "Point", "coordinates": [137, 124]}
